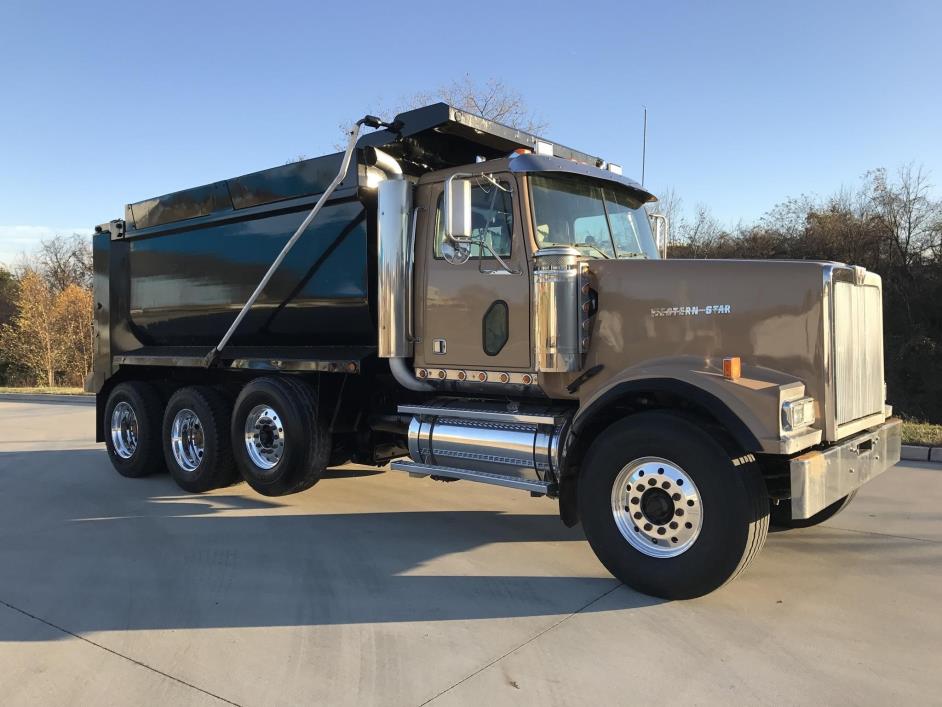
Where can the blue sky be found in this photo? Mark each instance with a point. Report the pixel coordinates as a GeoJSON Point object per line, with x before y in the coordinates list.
{"type": "Point", "coordinates": [748, 102]}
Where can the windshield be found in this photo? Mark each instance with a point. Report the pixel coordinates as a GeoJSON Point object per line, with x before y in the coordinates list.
{"type": "Point", "coordinates": [600, 219]}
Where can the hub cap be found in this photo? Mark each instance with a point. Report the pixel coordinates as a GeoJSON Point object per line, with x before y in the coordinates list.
{"type": "Point", "coordinates": [124, 430]}
{"type": "Point", "coordinates": [186, 440]}
{"type": "Point", "coordinates": [656, 507]}
{"type": "Point", "coordinates": [264, 437]}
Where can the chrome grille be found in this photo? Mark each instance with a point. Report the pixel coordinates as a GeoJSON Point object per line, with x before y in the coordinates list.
{"type": "Point", "coordinates": [858, 351]}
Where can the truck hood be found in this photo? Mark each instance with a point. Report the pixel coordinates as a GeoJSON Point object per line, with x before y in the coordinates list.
{"type": "Point", "coordinates": [678, 319]}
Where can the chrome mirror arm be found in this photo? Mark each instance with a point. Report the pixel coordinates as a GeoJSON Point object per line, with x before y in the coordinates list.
{"type": "Point", "coordinates": [506, 268]}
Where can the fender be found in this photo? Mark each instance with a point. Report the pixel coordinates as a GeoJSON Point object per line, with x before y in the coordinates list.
{"type": "Point", "coordinates": [688, 392]}
{"type": "Point", "coordinates": [749, 408]}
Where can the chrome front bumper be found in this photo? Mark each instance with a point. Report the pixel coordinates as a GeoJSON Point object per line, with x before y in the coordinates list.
{"type": "Point", "coordinates": [820, 478]}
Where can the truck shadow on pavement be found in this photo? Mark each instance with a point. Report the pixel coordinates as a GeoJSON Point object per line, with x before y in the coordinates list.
{"type": "Point", "coordinates": [87, 551]}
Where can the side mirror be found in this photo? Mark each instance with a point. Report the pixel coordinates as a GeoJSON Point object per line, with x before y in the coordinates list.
{"type": "Point", "coordinates": [457, 208]}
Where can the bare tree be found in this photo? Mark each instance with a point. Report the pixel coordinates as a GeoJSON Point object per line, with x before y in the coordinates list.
{"type": "Point", "coordinates": [789, 218]}
{"type": "Point", "coordinates": [668, 204]}
{"type": "Point", "coordinates": [912, 218]}
{"type": "Point", "coordinates": [492, 99]}
{"type": "Point", "coordinates": [700, 232]}
{"type": "Point", "coordinates": [62, 261]}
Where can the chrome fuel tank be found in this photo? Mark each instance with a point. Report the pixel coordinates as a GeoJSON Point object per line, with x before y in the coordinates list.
{"type": "Point", "coordinates": [525, 446]}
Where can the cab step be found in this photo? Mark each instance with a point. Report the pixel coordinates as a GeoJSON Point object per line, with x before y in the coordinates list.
{"type": "Point", "coordinates": [534, 486]}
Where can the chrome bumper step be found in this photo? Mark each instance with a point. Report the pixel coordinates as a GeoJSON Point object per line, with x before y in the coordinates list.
{"type": "Point", "coordinates": [545, 488]}
{"type": "Point", "coordinates": [822, 477]}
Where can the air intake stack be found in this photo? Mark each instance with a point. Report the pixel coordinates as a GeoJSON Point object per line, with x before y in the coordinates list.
{"type": "Point", "coordinates": [558, 305]}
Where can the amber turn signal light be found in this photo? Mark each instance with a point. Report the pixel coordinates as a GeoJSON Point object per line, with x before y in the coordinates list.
{"type": "Point", "coordinates": [732, 368]}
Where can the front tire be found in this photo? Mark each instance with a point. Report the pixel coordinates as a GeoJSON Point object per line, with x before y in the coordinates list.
{"type": "Point", "coordinates": [132, 429]}
{"type": "Point", "coordinates": [279, 442]}
{"type": "Point", "coordinates": [666, 509]}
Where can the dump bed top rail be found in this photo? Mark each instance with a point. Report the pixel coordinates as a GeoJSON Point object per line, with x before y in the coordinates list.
{"type": "Point", "coordinates": [434, 137]}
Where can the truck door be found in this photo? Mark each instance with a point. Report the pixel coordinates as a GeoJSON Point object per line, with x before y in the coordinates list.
{"type": "Point", "coordinates": [476, 315]}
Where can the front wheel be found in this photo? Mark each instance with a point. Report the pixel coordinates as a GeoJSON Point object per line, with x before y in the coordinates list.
{"type": "Point", "coordinates": [667, 510]}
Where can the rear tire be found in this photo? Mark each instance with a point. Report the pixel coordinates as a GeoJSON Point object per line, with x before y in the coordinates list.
{"type": "Point", "coordinates": [279, 443]}
{"type": "Point", "coordinates": [666, 509]}
{"type": "Point", "coordinates": [781, 515]}
{"type": "Point", "coordinates": [197, 447]}
{"type": "Point", "coordinates": [132, 429]}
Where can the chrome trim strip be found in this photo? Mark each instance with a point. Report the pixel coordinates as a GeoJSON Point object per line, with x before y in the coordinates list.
{"type": "Point", "coordinates": [483, 415]}
{"type": "Point", "coordinates": [540, 487]}
{"type": "Point", "coordinates": [260, 364]}
{"type": "Point", "coordinates": [827, 317]}
{"type": "Point", "coordinates": [863, 423]}
{"type": "Point", "coordinates": [465, 375]}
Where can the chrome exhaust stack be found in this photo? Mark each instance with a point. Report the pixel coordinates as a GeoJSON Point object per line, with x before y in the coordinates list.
{"type": "Point", "coordinates": [396, 256]}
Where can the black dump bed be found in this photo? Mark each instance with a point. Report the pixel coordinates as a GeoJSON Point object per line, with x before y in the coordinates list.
{"type": "Point", "coordinates": [172, 283]}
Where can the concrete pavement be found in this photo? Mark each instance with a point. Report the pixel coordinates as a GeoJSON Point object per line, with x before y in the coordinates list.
{"type": "Point", "coordinates": [373, 588]}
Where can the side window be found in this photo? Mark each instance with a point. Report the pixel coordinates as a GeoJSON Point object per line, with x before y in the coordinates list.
{"type": "Point", "coordinates": [492, 221]}
{"type": "Point", "coordinates": [496, 328]}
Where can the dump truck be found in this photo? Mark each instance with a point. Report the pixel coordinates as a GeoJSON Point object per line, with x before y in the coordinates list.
{"type": "Point", "coordinates": [461, 300]}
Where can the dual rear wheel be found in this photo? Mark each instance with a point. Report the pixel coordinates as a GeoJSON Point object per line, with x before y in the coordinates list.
{"type": "Point", "coordinates": [271, 435]}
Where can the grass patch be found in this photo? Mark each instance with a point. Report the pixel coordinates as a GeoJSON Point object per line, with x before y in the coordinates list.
{"type": "Point", "coordinates": [43, 390]}
{"type": "Point", "coordinates": [922, 433]}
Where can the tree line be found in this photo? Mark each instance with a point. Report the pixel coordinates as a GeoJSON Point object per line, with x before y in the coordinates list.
{"type": "Point", "coordinates": [46, 315]}
{"type": "Point", "coordinates": [890, 224]}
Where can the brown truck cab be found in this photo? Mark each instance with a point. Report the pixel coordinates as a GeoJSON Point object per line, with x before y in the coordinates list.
{"type": "Point", "coordinates": [527, 332]}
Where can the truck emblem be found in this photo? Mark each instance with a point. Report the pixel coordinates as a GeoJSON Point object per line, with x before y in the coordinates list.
{"type": "Point", "coordinates": [690, 311]}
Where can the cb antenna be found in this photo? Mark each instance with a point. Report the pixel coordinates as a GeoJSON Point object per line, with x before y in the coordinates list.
{"type": "Point", "coordinates": [644, 142]}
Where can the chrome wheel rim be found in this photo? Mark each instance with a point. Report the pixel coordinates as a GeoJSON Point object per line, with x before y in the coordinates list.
{"type": "Point", "coordinates": [657, 507]}
{"type": "Point", "coordinates": [187, 441]}
{"type": "Point", "coordinates": [124, 430]}
{"type": "Point", "coordinates": [264, 437]}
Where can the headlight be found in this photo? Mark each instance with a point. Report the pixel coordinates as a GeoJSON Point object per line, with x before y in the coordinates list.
{"type": "Point", "coordinates": [797, 414]}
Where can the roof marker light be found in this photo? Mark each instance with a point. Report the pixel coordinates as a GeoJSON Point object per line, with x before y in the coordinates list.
{"type": "Point", "coordinates": [732, 368]}
{"type": "Point", "coordinates": [544, 148]}
{"type": "Point", "coordinates": [614, 168]}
